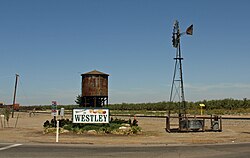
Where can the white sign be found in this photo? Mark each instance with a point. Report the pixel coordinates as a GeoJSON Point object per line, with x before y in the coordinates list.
{"type": "Point", "coordinates": [62, 112]}
{"type": "Point", "coordinates": [90, 115]}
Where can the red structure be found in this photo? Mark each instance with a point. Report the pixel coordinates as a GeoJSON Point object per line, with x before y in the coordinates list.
{"type": "Point", "coordinates": [94, 89]}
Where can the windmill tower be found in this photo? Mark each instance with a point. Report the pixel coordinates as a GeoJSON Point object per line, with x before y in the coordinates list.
{"type": "Point", "coordinates": [177, 88]}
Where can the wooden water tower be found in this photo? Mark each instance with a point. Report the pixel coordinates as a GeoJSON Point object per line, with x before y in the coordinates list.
{"type": "Point", "coordinates": [94, 89]}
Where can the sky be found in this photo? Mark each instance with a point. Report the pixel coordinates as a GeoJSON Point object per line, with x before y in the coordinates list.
{"type": "Point", "coordinates": [51, 43]}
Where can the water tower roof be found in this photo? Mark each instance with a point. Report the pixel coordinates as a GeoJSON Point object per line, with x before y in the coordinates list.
{"type": "Point", "coordinates": [95, 72]}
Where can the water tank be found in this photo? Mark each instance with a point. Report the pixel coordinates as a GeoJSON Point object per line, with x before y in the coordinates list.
{"type": "Point", "coordinates": [94, 88]}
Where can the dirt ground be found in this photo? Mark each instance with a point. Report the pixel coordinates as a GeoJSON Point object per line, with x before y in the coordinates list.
{"type": "Point", "coordinates": [30, 130]}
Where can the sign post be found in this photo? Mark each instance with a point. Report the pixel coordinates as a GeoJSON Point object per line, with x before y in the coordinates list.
{"type": "Point", "coordinates": [54, 111]}
{"type": "Point", "coordinates": [57, 131]}
{"type": "Point", "coordinates": [202, 106]}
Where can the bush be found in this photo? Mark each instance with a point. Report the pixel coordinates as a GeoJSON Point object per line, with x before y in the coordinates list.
{"type": "Point", "coordinates": [112, 127]}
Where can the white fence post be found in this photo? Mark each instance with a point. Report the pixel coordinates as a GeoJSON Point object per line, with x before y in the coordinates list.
{"type": "Point", "coordinates": [57, 131]}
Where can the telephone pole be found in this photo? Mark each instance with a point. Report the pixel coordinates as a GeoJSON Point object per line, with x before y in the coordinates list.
{"type": "Point", "coordinates": [14, 98]}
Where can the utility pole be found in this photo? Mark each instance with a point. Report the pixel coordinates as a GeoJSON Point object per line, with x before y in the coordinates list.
{"type": "Point", "coordinates": [14, 98]}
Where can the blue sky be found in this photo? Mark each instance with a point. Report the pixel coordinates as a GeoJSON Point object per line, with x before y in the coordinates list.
{"type": "Point", "coordinates": [50, 43]}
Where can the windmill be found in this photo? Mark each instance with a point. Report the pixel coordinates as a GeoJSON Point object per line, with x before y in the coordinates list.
{"type": "Point", "coordinates": [177, 88]}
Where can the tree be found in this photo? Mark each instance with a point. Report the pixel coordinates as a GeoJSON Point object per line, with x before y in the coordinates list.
{"type": "Point", "coordinates": [78, 99]}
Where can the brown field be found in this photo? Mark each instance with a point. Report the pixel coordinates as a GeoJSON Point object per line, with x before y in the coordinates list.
{"type": "Point", "coordinates": [30, 130]}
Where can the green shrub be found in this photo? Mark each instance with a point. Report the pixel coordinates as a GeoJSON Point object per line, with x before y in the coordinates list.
{"type": "Point", "coordinates": [114, 125]}
{"type": "Point", "coordinates": [46, 124]}
{"type": "Point", "coordinates": [135, 129]}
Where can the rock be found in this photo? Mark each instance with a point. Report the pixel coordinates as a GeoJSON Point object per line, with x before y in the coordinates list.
{"type": "Point", "coordinates": [126, 125]}
{"type": "Point", "coordinates": [65, 131]}
{"type": "Point", "coordinates": [92, 132]}
{"type": "Point", "coordinates": [124, 128]}
{"type": "Point", "coordinates": [49, 130]}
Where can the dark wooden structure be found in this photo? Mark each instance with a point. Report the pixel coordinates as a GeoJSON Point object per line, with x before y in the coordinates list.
{"type": "Point", "coordinates": [94, 89]}
{"type": "Point", "coordinates": [194, 124]}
